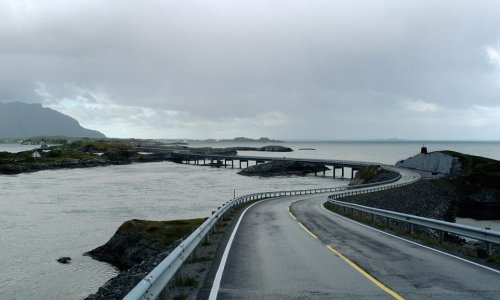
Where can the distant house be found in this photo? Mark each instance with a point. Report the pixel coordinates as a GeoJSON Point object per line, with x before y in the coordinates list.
{"type": "Point", "coordinates": [36, 154]}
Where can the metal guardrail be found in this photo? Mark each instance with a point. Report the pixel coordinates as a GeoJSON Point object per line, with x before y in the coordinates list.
{"type": "Point", "coordinates": [157, 280]}
{"type": "Point", "coordinates": [481, 234]}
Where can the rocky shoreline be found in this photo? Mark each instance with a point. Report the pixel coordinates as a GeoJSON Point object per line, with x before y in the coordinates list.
{"type": "Point", "coordinates": [281, 168]}
{"type": "Point", "coordinates": [99, 154]}
{"type": "Point", "coordinates": [73, 163]}
{"type": "Point", "coordinates": [136, 248]}
{"type": "Point", "coordinates": [426, 198]}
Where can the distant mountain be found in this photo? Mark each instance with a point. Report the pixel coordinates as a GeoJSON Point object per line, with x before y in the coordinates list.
{"type": "Point", "coordinates": [21, 120]}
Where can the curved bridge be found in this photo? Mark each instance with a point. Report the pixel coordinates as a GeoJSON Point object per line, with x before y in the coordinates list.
{"type": "Point", "coordinates": [188, 157]}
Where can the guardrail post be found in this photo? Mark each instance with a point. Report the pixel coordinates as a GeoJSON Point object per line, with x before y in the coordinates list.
{"type": "Point", "coordinates": [412, 228]}
{"type": "Point", "coordinates": [164, 294]}
{"type": "Point", "coordinates": [441, 236]}
{"type": "Point", "coordinates": [488, 248]}
{"type": "Point", "coordinates": [179, 276]}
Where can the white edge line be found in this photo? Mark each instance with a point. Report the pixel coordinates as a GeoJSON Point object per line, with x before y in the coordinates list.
{"type": "Point", "coordinates": [218, 276]}
{"type": "Point", "coordinates": [412, 242]}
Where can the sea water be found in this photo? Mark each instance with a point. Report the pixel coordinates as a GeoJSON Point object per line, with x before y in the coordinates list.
{"type": "Point", "coordinates": [49, 214]}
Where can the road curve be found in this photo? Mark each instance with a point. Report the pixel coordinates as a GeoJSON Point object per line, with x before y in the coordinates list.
{"type": "Point", "coordinates": [413, 271]}
{"type": "Point", "coordinates": [274, 257]}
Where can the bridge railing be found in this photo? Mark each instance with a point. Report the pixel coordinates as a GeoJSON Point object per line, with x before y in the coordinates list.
{"type": "Point", "coordinates": [188, 154]}
{"type": "Point", "coordinates": [158, 279]}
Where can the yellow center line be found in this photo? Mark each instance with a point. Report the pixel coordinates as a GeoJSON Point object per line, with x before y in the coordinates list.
{"type": "Point", "coordinates": [364, 273]}
{"type": "Point", "coordinates": [349, 262]}
{"type": "Point", "coordinates": [290, 212]}
{"type": "Point", "coordinates": [307, 230]}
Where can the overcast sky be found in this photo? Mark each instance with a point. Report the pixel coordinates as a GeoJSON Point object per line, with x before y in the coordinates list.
{"type": "Point", "coordinates": [284, 69]}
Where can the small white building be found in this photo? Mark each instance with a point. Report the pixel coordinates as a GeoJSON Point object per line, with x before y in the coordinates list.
{"type": "Point", "coordinates": [36, 154]}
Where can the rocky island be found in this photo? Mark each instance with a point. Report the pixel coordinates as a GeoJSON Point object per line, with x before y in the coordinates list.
{"type": "Point", "coordinates": [78, 154]}
{"type": "Point", "coordinates": [283, 167]}
{"type": "Point", "coordinates": [372, 174]}
{"type": "Point", "coordinates": [135, 249]}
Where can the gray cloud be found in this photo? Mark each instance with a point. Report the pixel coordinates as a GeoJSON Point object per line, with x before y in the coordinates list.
{"type": "Point", "coordinates": [288, 69]}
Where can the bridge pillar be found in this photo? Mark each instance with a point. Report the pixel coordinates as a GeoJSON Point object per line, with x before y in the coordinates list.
{"type": "Point", "coordinates": [352, 172]}
{"type": "Point", "coordinates": [342, 172]}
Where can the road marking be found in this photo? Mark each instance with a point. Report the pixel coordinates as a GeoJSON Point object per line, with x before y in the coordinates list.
{"type": "Point", "coordinates": [307, 230]}
{"type": "Point", "coordinates": [412, 242]}
{"type": "Point", "coordinates": [218, 276]}
{"type": "Point", "coordinates": [349, 262]}
{"type": "Point", "coordinates": [291, 213]}
{"type": "Point", "coordinates": [364, 273]}
{"type": "Point", "coordinates": [301, 225]}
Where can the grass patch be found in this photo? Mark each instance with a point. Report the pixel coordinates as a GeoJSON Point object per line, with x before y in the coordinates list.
{"type": "Point", "coordinates": [188, 281]}
{"type": "Point", "coordinates": [181, 296]}
{"type": "Point", "coordinates": [203, 259]}
{"type": "Point", "coordinates": [162, 232]}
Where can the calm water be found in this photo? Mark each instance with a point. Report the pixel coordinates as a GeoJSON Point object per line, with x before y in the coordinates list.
{"type": "Point", "coordinates": [49, 214]}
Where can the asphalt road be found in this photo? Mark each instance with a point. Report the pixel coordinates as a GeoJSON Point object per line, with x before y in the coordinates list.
{"type": "Point", "coordinates": [273, 257]}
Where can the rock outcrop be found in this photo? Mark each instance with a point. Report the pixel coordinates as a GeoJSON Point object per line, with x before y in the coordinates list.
{"type": "Point", "coordinates": [136, 248]}
{"type": "Point", "coordinates": [426, 198]}
{"type": "Point", "coordinates": [372, 174]}
{"type": "Point", "coordinates": [64, 260]}
{"type": "Point", "coordinates": [136, 240]}
{"type": "Point", "coordinates": [280, 168]}
{"type": "Point", "coordinates": [270, 148]}
{"type": "Point", "coordinates": [434, 162]}
{"type": "Point", "coordinates": [475, 181]}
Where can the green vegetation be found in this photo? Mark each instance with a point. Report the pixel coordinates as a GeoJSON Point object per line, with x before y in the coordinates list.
{"type": "Point", "coordinates": [477, 171]}
{"type": "Point", "coordinates": [162, 232]}
{"type": "Point", "coordinates": [188, 281]}
{"type": "Point", "coordinates": [181, 296]}
{"type": "Point", "coordinates": [79, 149]}
{"type": "Point", "coordinates": [101, 145]}
{"type": "Point", "coordinates": [374, 173]}
{"type": "Point", "coordinates": [368, 173]}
